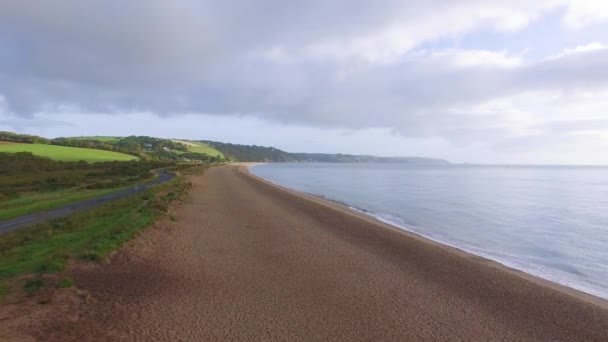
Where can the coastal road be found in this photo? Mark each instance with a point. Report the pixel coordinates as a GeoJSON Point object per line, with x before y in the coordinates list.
{"type": "Point", "coordinates": [69, 209]}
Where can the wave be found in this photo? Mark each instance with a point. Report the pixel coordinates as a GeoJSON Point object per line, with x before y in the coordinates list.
{"type": "Point", "coordinates": [571, 278]}
{"type": "Point", "coordinates": [510, 260]}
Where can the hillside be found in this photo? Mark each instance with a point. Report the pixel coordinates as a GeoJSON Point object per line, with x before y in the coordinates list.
{"type": "Point", "coordinates": [200, 147]}
{"type": "Point", "coordinates": [254, 153]}
{"type": "Point", "coordinates": [105, 139]}
{"type": "Point", "coordinates": [189, 151]}
{"type": "Point", "coordinates": [65, 153]}
{"type": "Point", "coordinates": [152, 148]}
{"type": "Point", "coordinates": [115, 148]}
{"type": "Point", "coordinates": [251, 153]}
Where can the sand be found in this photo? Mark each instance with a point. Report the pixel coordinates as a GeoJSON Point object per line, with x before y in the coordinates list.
{"type": "Point", "coordinates": [249, 261]}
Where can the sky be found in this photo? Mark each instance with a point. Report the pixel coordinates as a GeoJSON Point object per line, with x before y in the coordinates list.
{"type": "Point", "coordinates": [513, 82]}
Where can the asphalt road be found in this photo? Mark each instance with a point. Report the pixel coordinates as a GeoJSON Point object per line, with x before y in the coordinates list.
{"type": "Point", "coordinates": [39, 217]}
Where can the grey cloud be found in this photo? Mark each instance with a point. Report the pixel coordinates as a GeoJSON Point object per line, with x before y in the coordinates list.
{"type": "Point", "coordinates": [186, 56]}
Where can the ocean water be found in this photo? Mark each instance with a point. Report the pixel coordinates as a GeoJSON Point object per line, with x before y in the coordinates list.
{"type": "Point", "coordinates": [549, 221]}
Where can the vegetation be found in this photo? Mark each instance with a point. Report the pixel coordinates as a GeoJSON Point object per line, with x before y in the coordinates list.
{"type": "Point", "coordinates": [66, 153]}
{"type": "Point", "coordinates": [38, 203]}
{"type": "Point", "coordinates": [29, 183]}
{"type": "Point", "coordinates": [254, 153]}
{"type": "Point", "coordinates": [104, 139]}
{"type": "Point", "coordinates": [96, 144]}
{"type": "Point", "coordinates": [200, 147]}
{"type": "Point", "coordinates": [187, 157]}
{"type": "Point", "coordinates": [33, 285]}
{"type": "Point", "coordinates": [90, 235]}
{"type": "Point", "coordinates": [132, 147]}
{"type": "Point", "coordinates": [65, 283]}
{"type": "Point", "coordinates": [350, 158]}
{"type": "Point", "coordinates": [251, 153]}
{"type": "Point", "coordinates": [23, 138]}
{"type": "Point", "coordinates": [143, 143]}
{"type": "Point", "coordinates": [185, 151]}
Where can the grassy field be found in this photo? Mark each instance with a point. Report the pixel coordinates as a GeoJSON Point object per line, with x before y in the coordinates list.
{"type": "Point", "coordinates": [90, 235]}
{"type": "Point", "coordinates": [198, 147]}
{"type": "Point", "coordinates": [109, 140]}
{"type": "Point", "coordinates": [65, 153]}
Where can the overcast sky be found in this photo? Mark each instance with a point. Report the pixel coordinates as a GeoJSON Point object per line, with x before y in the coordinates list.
{"type": "Point", "coordinates": [469, 81]}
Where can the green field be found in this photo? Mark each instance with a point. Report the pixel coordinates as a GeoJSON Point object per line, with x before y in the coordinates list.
{"type": "Point", "coordinates": [198, 147]}
{"type": "Point", "coordinates": [66, 153]}
{"type": "Point", "coordinates": [110, 140]}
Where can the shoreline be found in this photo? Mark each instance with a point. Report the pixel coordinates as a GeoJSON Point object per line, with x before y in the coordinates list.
{"type": "Point", "coordinates": [243, 259]}
{"type": "Point", "coordinates": [362, 214]}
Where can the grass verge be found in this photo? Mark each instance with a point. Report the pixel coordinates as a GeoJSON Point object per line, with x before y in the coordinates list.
{"type": "Point", "coordinates": [91, 235]}
{"type": "Point", "coordinates": [39, 202]}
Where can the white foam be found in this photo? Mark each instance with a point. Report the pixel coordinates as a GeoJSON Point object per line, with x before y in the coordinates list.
{"type": "Point", "coordinates": [508, 260]}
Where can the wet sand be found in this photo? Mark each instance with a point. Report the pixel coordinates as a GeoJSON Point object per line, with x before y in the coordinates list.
{"type": "Point", "coordinates": [247, 261]}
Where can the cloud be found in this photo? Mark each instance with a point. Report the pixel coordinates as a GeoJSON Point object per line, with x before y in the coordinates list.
{"type": "Point", "coordinates": [583, 13]}
{"type": "Point", "coordinates": [331, 64]}
{"type": "Point", "coordinates": [595, 46]}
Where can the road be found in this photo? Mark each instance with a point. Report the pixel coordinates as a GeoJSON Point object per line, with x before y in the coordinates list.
{"type": "Point", "coordinates": [10, 225]}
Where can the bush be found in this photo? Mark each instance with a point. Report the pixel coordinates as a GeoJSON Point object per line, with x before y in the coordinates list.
{"type": "Point", "coordinates": [33, 285]}
{"type": "Point", "coordinates": [65, 283]}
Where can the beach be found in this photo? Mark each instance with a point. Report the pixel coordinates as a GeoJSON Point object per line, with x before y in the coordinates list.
{"type": "Point", "coordinates": [243, 259]}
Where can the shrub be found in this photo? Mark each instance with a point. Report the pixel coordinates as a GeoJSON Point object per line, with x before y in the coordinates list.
{"type": "Point", "coordinates": [65, 283]}
{"type": "Point", "coordinates": [33, 285]}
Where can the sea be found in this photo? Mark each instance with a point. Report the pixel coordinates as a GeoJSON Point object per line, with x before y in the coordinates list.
{"type": "Point", "coordinates": [548, 221]}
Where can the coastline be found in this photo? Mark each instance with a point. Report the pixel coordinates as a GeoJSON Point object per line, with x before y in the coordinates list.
{"type": "Point", "coordinates": [344, 207]}
{"type": "Point", "coordinates": [244, 259]}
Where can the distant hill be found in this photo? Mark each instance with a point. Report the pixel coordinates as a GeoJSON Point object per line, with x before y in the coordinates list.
{"type": "Point", "coordinates": [100, 148]}
{"type": "Point", "coordinates": [254, 153]}
{"type": "Point", "coordinates": [187, 151]}
{"type": "Point", "coordinates": [251, 153]}
{"type": "Point", "coordinates": [350, 158]}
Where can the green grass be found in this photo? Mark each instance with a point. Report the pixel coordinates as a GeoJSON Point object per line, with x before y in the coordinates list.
{"type": "Point", "coordinates": [66, 153]}
{"type": "Point", "coordinates": [199, 147]}
{"type": "Point", "coordinates": [110, 140]}
{"type": "Point", "coordinates": [65, 283]}
{"type": "Point", "coordinates": [90, 235]}
{"type": "Point", "coordinates": [45, 201]}
{"type": "Point", "coordinates": [33, 285]}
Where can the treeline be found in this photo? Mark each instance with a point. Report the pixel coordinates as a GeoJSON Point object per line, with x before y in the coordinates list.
{"type": "Point", "coordinates": [144, 147]}
{"type": "Point", "coordinates": [251, 153]}
{"type": "Point", "coordinates": [71, 142]}
{"type": "Point", "coordinates": [23, 138]}
{"type": "Point", "coordinates": [25, 173]}
{"type": "Point", "coordinates": [144, 143]}
{"type": "Point", "coordinates": [94, 144]}
{"type": "Point", "coordinates": [187, 157]}
{"type": "Point", "coordinates": [26, 162]}
{"type": "Point", "coordinates": [353, 158]}
{"type": "Point", "coordinates": [134, 145]}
